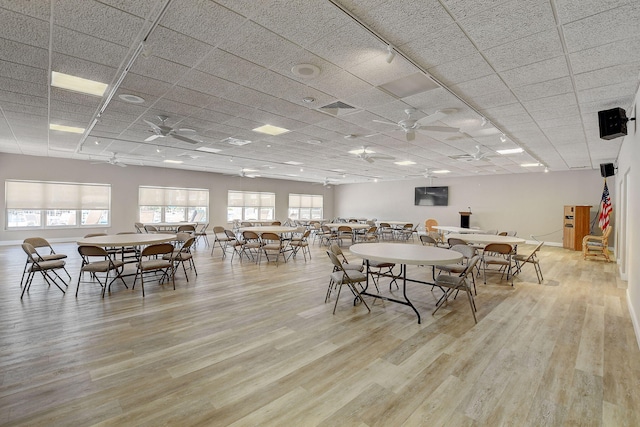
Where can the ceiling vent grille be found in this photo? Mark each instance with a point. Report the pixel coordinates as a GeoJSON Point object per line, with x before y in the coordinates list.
{"type": "Point", "coordinates": [338, 108]}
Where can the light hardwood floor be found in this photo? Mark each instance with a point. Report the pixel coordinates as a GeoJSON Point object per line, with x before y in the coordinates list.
{"type": "Point", "coordinates": [249, 345]}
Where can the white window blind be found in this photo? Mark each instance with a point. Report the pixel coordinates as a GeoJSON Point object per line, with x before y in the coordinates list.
{"type": "Point", "coordinates": [242, 198]}
{"type": "Point", "coordinates": [167, 196]}
{"type": "Point", "coordinates": [41, 195]}
{"type": "Point", "coordinates": [305, 201]}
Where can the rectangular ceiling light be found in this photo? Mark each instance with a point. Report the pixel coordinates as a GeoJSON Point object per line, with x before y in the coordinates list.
{"type": "Point", "coordinates": [442, 171]}
{"type": "Point", "coordinates": [236, 141]}
{"type": "Point", "coordinates": [530, 165]}
{"type": "Point", "coordinates": [271, 130]}
{"type": "Point", "coordinates": [292, 163]}
{"type": "Point", "coordinates": [63, 128]}
{"type": "Point", "coordinates": [405, 163]}
{"type": "Point", "coordinates": [208, 149]}
{"type": "Point", "coordinates": [173, 161]}
{"type": "Point", "coordinates": [510, 151]}
{"type": "Point", "coordinates": [409, 85]}
{"type": "Point", "coordinates": [77, 84]}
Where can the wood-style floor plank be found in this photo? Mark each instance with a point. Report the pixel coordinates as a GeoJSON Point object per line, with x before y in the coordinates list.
{"type": "Point", "coordinates": [244, 344]}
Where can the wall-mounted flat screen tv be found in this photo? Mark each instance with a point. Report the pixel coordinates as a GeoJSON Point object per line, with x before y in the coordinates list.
{"type": "Point", "coordinates": [432, 196]}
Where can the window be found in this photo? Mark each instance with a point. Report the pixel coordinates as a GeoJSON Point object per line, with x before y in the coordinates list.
{"type": "Point", "coordinates": [42, 204]}
{"type": "Point", "coordinates": [305, 206]}
{"type": "Point", "coordinates": [169, 204]}
{"type": "Point", "coordinates": [250, 206]}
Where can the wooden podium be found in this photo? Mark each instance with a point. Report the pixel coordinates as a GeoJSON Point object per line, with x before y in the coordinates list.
{"type": "Point", "coordinates": [576, 226]}
{"type": "Point", "coordinates": [464, 219]}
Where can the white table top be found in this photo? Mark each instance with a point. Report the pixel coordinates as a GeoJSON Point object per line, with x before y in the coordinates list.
{"type": "Point", "coordinates": [452, 229]}
{"type": "Point", "coordinates": [487, 238]}
{"type": "Point", "coordinates": [170, 224]}
{"type": "Point", "coordinates": [278, 229]}
{"type": "Point", "coordinates": [404, 253]}
{"type": "Point", "coordinates": [353, 225]}
{"type": "Point", "coordinates": [117, 240]}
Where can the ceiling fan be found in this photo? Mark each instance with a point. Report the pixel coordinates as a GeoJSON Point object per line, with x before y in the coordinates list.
{"type": "Point", "coordinates": [475, 156]}
{"type": "Point", "coordinates": [410, 125]}
{"type": "Point", "coordinates": [368, 155]}
{"type": "Point", "coordinates": [113, 160]}
{"type": "Point", "coordinates": [162, 130]}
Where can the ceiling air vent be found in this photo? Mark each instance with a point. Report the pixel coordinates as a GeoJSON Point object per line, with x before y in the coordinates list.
{"type": "Point", "coordinates": [236, 141]}
{"type": "Point", "coordinates": [338, 108]}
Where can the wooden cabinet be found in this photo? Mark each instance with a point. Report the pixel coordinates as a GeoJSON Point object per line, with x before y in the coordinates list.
{"type": "Point", "coordinates": [576, 226]}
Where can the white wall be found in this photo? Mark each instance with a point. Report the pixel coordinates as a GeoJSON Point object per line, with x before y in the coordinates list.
{"type": "Point", "coordinates": [530, 203]}
{"type": "Point", "coordinates": [628, 177]}
{"type": "Point", "coordinates": [124, 190]}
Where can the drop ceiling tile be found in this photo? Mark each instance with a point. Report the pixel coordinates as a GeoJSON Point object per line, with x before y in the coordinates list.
{"type": "Point", "coordinates": [87, 49]}
{"type": "Point", "coordinates": [537, 72]}
{"type": "Point", "coordinates": [159, 69]}
{"type": "Point", "coordinates": [544, 89]}
{"type": "Point", "coordinates": [22, 72]}
{"type": "Point", "coordinates": [22, 99]}
{"type": "Point", "coordinates": [495, 99]}
{"type": "Point", "coordinates": [438, 48]}
{"type": "Point", "coordinates": [613, 25]}
{"type": "Point", "coordinates": [607, 76]}
{"type": "Point", "coordinates": [461, 70]}
{"type": "Point", "coordinates": [377, 71]}
{"type": "Point", "coordinates": [615, 91]}
{"type": "Point", "coordinates": [372, 97]}
{"type": "Point", "coordinates": [482, 86]}
{"type": "Point", "coordinates": [24, 29]}
{"type": "Point", "coordinates": [27, 88]}
{"type": "Point", "coordinates": [98, 20]}
{"type": "Point", "coordinates": [229, 67]}
{"type": "Point", "coordinates": [527, 50]}
{"type": "Point", "coordinates": [552, 113]}
{"type": "Point", "coordinates": [206, 83]}
{"type": "Point", "coordinates": [347, 47]}
{"type": "Point", "coordinates": [23, 54]}
{"type": "Point", "coordinates": [162, 42]}
{"type": "Point", "coordinates": [508, 21]}
{"type": "Point", "coordinates": [551, 102]}
{"type": "Point", "coordinates": [195, 18]}
{"type": "Point", "coordinates": [605, 55]}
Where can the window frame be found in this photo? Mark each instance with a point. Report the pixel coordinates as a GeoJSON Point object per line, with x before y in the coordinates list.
{"type": "Point", "coordinates": [252, 201]}
{"type": "Point", "coordinates": [172, 199]}
{"type": "Point", "coordinates": [305, 202]}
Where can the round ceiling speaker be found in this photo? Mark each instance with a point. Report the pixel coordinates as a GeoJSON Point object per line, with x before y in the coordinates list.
{"type": "Point", "coordinates": [306, 71]}
{"type": "Point", "coordinates": [133, 99]}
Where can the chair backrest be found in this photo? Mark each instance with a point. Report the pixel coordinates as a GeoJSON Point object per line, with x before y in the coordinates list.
{"type": "Point", "coordinates": [335, 261]}
{"type": "Point", "coordinates": [91, 251]}
{"type": "Point", "coordinates": [467, 251]}
{"type": "Point", "coordinates": [38, 242]}
{"type": "Point", "coordinates": [345, 229]}
{"type": "Point", "coordinates": [182, 237]}
{"type": "Point", "coordinates": [499, 248]}
{"type": "Point", "coordinates": [427, 240]}
{"type": "Point", "coordinates": [151, 228]}
{"type": "Point", "coordinates": [605, 235]}
{"type": "Point", "coordinates": [452, 241]}
{"type": "Point", "coordinates": [472, 263]}
{"type": "Point", "coordinates": [218, 229]}
{"type": "Point", "coordinates": [230, 234]}
{"type": "Point", "coordinates": [250, 235]}
{"type": "Point", "coordinates": [30, 251]}
{"type": "Point", "coordinates": [502, 233]}
{"type": "Point", "coordinates": [385, 225]}
{"type": "Point", "coordinates": [512, 233]}
{"type": "Point", "coordinates": [270, 237]}
{"type": "Point", "coordinates": [139, 227]}
{"type": "Point", "coordinates": [276, 223]}
{"type": "Point", "coordinates": [186, 246]}
{"type": "Point", "coordinates": [246, 224]}
{"type": "Point", "coordinates": [157, 249]}
{"type": "Point", "coordinates": [533, 252]}
{"type": "Point", "coordinates": [187, 228]}
{"type": "Point", "coordinates": [204, 227]}
{"type": "Point", "coordinates": [372, 230]}
{"type": "Point", "coordinates": [429, 223]}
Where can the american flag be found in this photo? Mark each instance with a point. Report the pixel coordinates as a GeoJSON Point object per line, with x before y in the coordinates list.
{"type": "Point", "coordinates": [605, 208]}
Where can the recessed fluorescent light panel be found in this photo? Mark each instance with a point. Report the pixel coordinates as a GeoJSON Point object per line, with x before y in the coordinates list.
{"type": "Point", "coordinates": [208, 149]}
{"type": "Point", "coordinates": [173, 161]}
{"type": "Point", "coordinates": [292, 163]}
{"type": "Point", "coordinates": [77, 84]}
{"type": "Point", "coordinates": [405, 163]}
{"type": "Point", "coordinates": [236, 141]}
{"type": "Point", "coordinates": [510, 151]}
{"type": "Point", "coordinates": [530, 165]}
{"type": "Point", "coordinates": [271, 130]}
{"type": "Point", "coordinates": [62, 128]}
{"type": "Point", "coordinates": [442, 171]}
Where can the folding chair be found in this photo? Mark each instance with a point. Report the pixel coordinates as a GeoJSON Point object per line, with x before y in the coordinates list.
{"type": "Point", "coordinates": [151, 259]}
{"type": "Point", "coordinates": [35, 263]}
{"type": "Point", "coordinates": [532, 258]}
{"type": "Point", "coordinates": [103, 264]}
{"type": "Point", "coordinates": [457, 283]}
{"type": "Point", "coordinates": [340, 277]}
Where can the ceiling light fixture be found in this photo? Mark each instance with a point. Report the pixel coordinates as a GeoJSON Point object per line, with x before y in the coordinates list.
{"type": "Point", "coordinates": [210, 150]}
{"type": "Point", "coordinates": [271, 130]}
{"type": "Point", "coordinates": [405, 163]}
{"type": "Point", "coordinates": [442, 171]}
{"type": "Point", "coordinates": [484, 121]}
{"type": "Point", "coordinates": [390, 54]}
{"type": "Point", "coordinates": [510, 151]}
{"type": "Point", "coordinates": [308, 99]}
{"type": "Point", "coordinates": [173, 161]}
{"type": "Point", "coordinates": [503, 138]}
{"type": "Point", "coordinates": [132, 99]}
{"type": "Point", "coordinates": [96, 142]}
{"type": "Point", "coordinates": [305, 71]}
{"type": "Point", "coordinates": [63, 128]}
{"type": "Point", "coordinates": [77, 84]}
{"type": "Point", "coordinates": [546, 169]}
{"type": "Point", "coordinates": [530, 165]}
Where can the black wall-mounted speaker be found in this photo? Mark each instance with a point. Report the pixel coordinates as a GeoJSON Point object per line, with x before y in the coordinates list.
{"type": "Point", "coordinates": [613, 123]}
{"type": "Point", "coordinates": [607, 169]}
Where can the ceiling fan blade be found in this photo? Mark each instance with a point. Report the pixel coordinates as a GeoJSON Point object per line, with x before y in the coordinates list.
{"type": "Point", "coordinates": [152, 137]}
{"type": "Point", "coordinates": [385, 123]}
{"type": "Point", "coordinates": [185, 138]}
{"type": "Point", "coordinates": [411, 135]}
{"type": "Point", "coordinates": [440, 129]}
{"type": "Point", "coordinates": [432, 118]}
{"type": "Point", "coordinates": [154, 126]}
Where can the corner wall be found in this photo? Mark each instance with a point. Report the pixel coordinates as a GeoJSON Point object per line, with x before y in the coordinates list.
{"type": "Point", "coordinates": [530, 203]}
{"type": "Point", "coordinates": [124, 190]}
